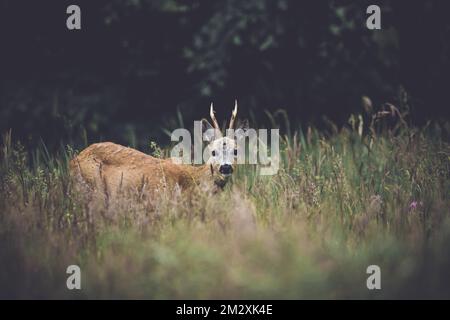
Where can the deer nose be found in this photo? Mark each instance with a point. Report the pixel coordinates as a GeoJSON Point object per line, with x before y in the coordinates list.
{"type": "Point", "coordinates": [226, 169]}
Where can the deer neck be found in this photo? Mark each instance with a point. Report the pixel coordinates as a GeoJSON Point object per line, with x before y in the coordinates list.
{"type": "Point", "coordinates": [206, 174]}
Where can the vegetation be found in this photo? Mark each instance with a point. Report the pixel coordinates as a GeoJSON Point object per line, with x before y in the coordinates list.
{"type": "Point", "coordinates": [343, 199]}
{"type": "Point", "coordinates": [371, 189]}
{"type": "Point", "coordinates": [135, 63]}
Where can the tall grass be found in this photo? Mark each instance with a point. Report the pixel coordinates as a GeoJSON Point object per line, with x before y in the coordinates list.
{"type": "Point", "coordinates": [342, 200]}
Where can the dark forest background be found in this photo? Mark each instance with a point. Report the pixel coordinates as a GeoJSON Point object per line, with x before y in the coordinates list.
{"type": "Point", "coordinates": [138, 66]}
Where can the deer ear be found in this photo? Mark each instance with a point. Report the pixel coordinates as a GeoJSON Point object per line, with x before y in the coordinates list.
{"type": "Point", "coordinates": [243, 124]}
{"type": "Point", "coordinates": [241, 129]}
{"type": "Point", "coordinates": [208, 131]}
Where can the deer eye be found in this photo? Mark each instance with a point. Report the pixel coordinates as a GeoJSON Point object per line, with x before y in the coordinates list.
{"type": "Point", "coordinates": [235, 152]}
{"type": "Point", "coordinates": [213, 153]}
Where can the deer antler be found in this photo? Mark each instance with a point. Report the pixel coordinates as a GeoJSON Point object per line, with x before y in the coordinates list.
{"type": "Point", "coordinates": [213, 118]}
{"type": "Point", "coordinates": [233, 115]}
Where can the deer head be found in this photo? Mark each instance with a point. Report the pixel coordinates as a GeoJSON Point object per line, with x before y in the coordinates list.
{"type": "Point", "coordinates": [221, 149]}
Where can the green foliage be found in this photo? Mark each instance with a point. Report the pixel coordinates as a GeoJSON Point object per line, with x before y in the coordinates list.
{"type": "Point", "coordinates": [340, 202]}
{"type": "Point", "coordinates": [149, 58]}
{"type": "Point", "coordinates": [156, 151]}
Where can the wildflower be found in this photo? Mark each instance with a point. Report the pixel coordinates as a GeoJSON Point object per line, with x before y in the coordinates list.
{"type": "Point", "coordinates": [414, 205]}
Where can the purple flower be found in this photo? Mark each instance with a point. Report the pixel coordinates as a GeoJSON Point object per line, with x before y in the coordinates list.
{"type": "Point", "coordinates": [414, 205]}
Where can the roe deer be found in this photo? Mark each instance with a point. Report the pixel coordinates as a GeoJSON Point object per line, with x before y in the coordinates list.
{"type": "Point", "coordinates": [107, 168]}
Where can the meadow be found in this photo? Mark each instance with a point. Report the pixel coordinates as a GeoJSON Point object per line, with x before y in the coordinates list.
{"type": "Point", "coordinates": [367, 193]}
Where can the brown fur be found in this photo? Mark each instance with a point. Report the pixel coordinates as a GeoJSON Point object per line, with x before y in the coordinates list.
{"type": "Point", "coordinates": [109, 168]}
